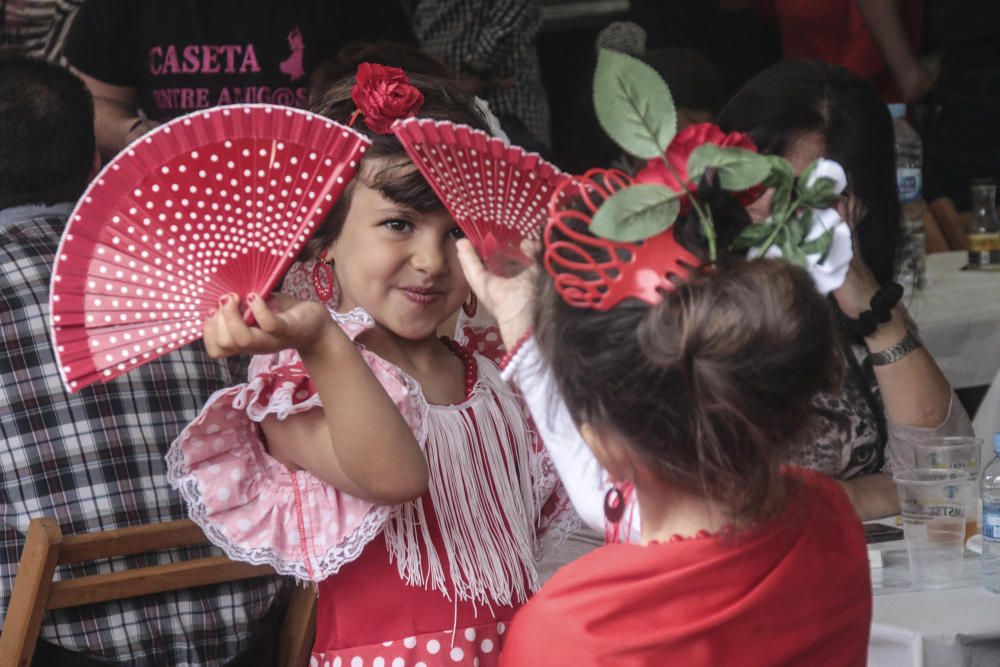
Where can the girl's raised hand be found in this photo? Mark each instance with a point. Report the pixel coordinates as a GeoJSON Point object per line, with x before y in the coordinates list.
{"type": "Point", "coordinates": [282, 323]}
{"type": "Point", "coordinates": [508, 299]}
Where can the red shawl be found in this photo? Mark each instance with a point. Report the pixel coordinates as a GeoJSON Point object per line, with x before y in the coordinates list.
{"type": "Point", "coordinates": [794, 591]}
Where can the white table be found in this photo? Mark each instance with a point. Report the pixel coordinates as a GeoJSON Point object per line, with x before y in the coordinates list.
{"type": "Point", "coordinates": [958, 626]}
{"type": "Point", "coordinates": [933, 628]}
{"type": "Point", "coordinates": [958, 313]}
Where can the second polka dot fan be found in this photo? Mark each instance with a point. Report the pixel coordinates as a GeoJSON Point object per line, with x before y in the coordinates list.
{"type": "Point", "coordinates": [214, 202]}
{"type": "Point", "coordinates": [498, 193]}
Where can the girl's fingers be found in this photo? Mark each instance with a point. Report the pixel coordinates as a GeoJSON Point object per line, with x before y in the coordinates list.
{"type": "Point", "coordinates": [279, 302]}
{"type": "Point", "coordinates": [473, 267]}
{"type": "Point", "coordinates": [268, 321]}
{"type": "Point", "coordinates": [232, 319]}
{"type": "Point", "coordinates": [218, 342]}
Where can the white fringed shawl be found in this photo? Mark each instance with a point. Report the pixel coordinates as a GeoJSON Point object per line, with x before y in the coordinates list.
{"type": "Point", "coordinates": [483, 467]}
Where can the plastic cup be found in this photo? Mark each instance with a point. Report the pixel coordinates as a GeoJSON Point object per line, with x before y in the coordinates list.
{"type": "Point", "coordinates": [955, 453]}
{"type": "Point", "coordinates": [933, 504]}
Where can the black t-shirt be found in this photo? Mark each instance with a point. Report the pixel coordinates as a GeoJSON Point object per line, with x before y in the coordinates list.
{"type": "Point", "coordinates": [183, 55]}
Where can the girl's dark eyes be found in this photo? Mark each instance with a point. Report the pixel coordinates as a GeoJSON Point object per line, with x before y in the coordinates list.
{"type": "Point", "coordinates": [398, 225]}
{"type": "Point", "coordinates": [403, 226]}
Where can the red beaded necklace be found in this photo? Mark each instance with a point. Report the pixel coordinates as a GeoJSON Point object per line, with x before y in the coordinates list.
{"type": "Point", "coordinates": [726, 531]}
{"type": "Point", "coordinates": [468, 361]}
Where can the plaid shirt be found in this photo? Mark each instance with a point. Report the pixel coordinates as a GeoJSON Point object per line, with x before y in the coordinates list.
{"type": "Point", "coordinates": [95, 461]}
{"type": "Point", "coordinates": [498, 35]}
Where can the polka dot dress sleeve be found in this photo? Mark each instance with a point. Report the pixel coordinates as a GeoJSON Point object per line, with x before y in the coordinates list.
{"type": "Point", "coordinates": [251, 505]}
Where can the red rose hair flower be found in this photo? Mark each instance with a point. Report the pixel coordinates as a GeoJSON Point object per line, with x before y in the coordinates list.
{"type": "Point", "coordinates": [384, 94]}
{"type": "Point", "coordinates": [680, 150]}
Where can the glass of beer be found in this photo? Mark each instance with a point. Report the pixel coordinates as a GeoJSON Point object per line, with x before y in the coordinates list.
{"type": "Point", "coordinates": [933, 505]}
{"type": "Point", "coordinates": [960, 454]}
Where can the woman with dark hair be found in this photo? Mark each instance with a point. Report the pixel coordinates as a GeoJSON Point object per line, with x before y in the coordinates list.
{"type": "Point", "coordinates": [894, 394]}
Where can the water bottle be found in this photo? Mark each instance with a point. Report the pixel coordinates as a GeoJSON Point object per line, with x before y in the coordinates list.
{"type": "Point", "coordinates": [991, 520]}
{"type": "Point", "coordinates": [909, 161]}
{"type": "Point", "coordinates": [984, 228]}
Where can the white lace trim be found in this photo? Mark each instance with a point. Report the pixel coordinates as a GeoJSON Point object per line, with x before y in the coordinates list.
{"type": "Point", "coordinates": [323, 567]}
{"type": "Point", "coordinates": [282, 403]}
{"type": "Point", "coordinates": [179, 474]}
{"type": "Point", "coordinates": [353, 316]}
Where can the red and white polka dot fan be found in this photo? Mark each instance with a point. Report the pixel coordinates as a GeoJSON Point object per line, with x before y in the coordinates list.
{"type": "Point", "coordinates": [498, 194]}
{"type": "Point", "coordinates": [214, 202]}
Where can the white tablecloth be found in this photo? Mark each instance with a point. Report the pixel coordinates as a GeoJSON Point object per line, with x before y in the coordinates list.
{"type": "Point", "coordinates": [958, 313]}
{"type": "Point", "coordinates": [935, 628]}
{"type": "Point", "coordinates": [959, 625]}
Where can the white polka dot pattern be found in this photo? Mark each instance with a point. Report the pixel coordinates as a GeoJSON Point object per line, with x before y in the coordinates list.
{"type": "Point", "coordinates": [469, 647]}
{"type": "Point", "coordinates": [213, 202]}
{"type": "Point", "coordinates": [498, 194]}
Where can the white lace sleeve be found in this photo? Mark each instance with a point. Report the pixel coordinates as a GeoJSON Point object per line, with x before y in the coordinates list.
{"type": "Point", "coordinates": [586, 482]}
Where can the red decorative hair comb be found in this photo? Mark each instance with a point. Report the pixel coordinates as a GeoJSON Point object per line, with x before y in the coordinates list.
{"type": "Point", "coordinates": [597, 273]}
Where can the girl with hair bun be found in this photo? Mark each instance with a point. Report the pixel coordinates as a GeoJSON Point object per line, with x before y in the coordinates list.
{"type": "Point", "coordinates": [669, 373]}
{"type": "Point", "coordinates": [688, 407]}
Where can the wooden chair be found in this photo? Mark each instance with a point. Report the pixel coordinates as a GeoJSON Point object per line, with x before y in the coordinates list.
{"type": "Point", "coordinates": [45, 547]}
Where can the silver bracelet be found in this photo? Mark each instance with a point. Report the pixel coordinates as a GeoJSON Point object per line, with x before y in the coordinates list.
{"type": "Point", "coordinates": [893, 354]}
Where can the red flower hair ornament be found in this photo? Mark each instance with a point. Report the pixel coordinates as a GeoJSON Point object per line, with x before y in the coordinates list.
{"type": "Point", "coordinates": [610, 238]}
{"type": "Point", "coordinates": [678, 153]}
{"type": "Point", "coordinates": [384, 94]}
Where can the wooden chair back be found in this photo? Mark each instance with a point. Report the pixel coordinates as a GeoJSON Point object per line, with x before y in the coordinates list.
{"type": "Point", "coordinates": [46, 547]}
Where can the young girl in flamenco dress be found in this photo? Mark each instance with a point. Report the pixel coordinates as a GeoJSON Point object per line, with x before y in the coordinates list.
{"type": "Point", "coordinates": [393, 467]}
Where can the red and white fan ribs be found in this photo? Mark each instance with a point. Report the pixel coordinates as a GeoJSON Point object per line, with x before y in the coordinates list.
{"type": "Point", "coordinates": [215, 202]}
{"type": "Point", "coordinates": [498, 194]}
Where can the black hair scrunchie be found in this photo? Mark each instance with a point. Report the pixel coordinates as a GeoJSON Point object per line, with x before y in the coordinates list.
{"type": "Point", "coordinates": [885, 298]}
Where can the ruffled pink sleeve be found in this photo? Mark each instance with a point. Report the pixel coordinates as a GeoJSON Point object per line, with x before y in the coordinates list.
{"type": "Point", "coordinates": [251, 505]}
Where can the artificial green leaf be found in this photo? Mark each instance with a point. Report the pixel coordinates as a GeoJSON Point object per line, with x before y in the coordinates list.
{"type": "Point", "coordinates": [738, 168]}
{"type": "Point", "coordinates": [819, 194]}
{"type": "Point", "coordinates": [821, 244]}
{"type": "Point", "coordinates": [807, 174]}
{"type": "Point", "coordinates": [822, 193]}
{"type": "Point", "coordinates": [781, 172]}
{"type": "Point", "coordinates": [636, 213]}
{"type": "Point", "coordinates": [792, 253]}
{"type": "Point", "coordinates": [781, 200]}
{"type": "Point", "coordinates": [782, 180]}
{"type": "Point", "coordinates": [633, 105]}
{"type": "Point", "coordinates": [798, 226]}
{"type": "Point", "coordinates": [752, 235]}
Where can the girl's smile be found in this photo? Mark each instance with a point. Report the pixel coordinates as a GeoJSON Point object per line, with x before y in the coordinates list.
{"type": "Point", "coordinates": [421, 295]}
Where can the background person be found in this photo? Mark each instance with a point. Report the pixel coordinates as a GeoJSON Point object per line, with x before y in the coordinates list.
{"type": "Point", "coordinates": [94, 460]}
{"type": "Point", "coordinates": [147, 61]}
{"type": "Point", "coordinates": [803, 111]}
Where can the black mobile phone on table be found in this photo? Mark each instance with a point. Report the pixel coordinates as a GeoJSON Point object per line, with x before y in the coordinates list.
{"type": "Point", "coordinates": [878, 532]}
